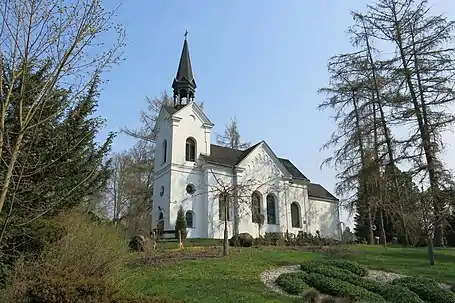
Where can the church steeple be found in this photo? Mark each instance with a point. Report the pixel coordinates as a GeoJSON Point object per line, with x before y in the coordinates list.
{"type": "Point", "coordinates": [184, 85]}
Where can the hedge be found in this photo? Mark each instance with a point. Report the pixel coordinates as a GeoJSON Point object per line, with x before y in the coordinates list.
{"type": "Point", "coordinates": [341, 289]}
{"type": "Point", "coordinates": [427, 289]}
{"type": "Point", "coordinates": [392, 293]}
{"type": "Point", "coordinates": [355, 268]}
{"type": "Point", "coordinates": [292, 283]}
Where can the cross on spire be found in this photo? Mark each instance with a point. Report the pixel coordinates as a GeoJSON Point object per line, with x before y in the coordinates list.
{"type": "Point", "coordinates": [186, 34]}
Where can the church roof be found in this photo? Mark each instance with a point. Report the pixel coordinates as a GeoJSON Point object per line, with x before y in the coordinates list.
{"type": "Point", "coordinates": [229, 157]}
{"type": "Point", "coordinates": [226, 156]}
{"type": "Point", "coordinates": [172, 110]}
{"type": "Point", "coordinates": [317, 191]}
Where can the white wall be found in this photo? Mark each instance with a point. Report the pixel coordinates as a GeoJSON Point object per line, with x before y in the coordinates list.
{"type": "Point", "coordinates": [217, 178]}
{"type": "Point", "coordinates": [187, 123]}
{"type": "Point", "coordinates": [323, 216]}
{"type": "Point", "coordinates": [259, 171]}
{"type": "Point", "coordinates": [162, 170]}
{"type": "Point", "coordinates": [181, 176]}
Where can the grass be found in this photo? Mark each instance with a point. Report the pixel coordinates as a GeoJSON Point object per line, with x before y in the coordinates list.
{"type": "Point", "coordinates": [236, 278]}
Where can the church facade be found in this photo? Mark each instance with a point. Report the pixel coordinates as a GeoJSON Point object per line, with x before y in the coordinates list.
{"type": "Point", "coordinates": [213, 183]}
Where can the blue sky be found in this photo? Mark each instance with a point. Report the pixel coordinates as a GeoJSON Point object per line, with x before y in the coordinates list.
{"type": "Point", "coordinates": [261, 61]}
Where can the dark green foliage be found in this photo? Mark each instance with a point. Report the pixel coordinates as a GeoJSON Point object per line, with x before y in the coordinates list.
{"type": "Point", "coordinates": [180, 223]}
{"type": "Point", "coordinates": [450, 231]}
{"type": "Point", "coordinates": [292, 283]}
{"type": "Point", "coordinates": [398, 294]}
{"type": "Point", "coordinates": [340, 288]}
{"type": "Point", "coordinates": [427, 289]}
{"type": "Point", "coordinates": [392, 293]}
{"type": "Point", "coordinates": [352, 273]}
{"type": "Point", "coordinates": [274, 238]}
{"type": "Point", "coordinates": [353, 267]}
{"type": "Point", "coordinates": [63, 164]}
{"type": "Point", "coordinates": [347, 266]}
{"type": "Point", "coordinates": [32, 239]}
{"type": "Point", "coordinates": [242, 239]}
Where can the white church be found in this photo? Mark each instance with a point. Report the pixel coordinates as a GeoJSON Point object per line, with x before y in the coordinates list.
{"type": "Point", "coordinates": [195, 174]}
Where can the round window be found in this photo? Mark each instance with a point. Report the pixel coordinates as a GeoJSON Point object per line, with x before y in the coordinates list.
{"type": "Point", "coordinates": [191, 189]}
{"type": "Point", "coordinates": [162, 191]}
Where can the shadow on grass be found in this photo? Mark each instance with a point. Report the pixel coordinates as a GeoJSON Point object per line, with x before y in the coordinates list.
{"type": "Point", "coordinates": [409, 261]}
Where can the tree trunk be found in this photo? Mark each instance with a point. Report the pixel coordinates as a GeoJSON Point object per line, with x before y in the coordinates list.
{"type": "Point", "coordinates": [362, 158]}
{"type": "Point", "coordinates": [430, 250]}
{"type": "Point", "coordinates": [382, 236]}
{"type": "Point", "coordinates": [387, 137]}
{"type": "Point", "coordinates": [424, 133]}
{"type": "Point", "coordinates": [9, 172]}
{"type": "Point", "coordinates": [226, 233]}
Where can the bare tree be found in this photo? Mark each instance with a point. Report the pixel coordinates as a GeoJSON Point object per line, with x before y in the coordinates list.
{"type": "Point", "coordinates": [349, 99]}
{"type": "Point", "coordinates": [423, 61]}
{"type": "Point", "coordinates": [231, 139]}
{"type": "Point", "coordinates": [65, 39]}
{"type": "Point", "coordinates": [239, 196]}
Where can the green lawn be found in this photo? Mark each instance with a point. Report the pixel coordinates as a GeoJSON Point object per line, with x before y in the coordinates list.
{"type": "Point", "coordinates": [236, 278]}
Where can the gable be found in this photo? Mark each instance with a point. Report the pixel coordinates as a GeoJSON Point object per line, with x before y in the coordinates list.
{"type": "Point", "coordinates": [190, 109]}
{"type": "Point", "coordinates": [226, 156]}
{"type": "Point", "coordinates": [263, 154]}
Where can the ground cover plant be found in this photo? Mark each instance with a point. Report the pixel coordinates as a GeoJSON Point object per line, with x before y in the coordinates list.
{"type": "Point", "coordinates": [202, 274]}
{"type": "Point", "coordinates": [347, 279]}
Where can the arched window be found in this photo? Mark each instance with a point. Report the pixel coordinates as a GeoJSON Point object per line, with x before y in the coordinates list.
{"type": "Point", "coordinates": [190, 150]}
{"type": "Point", "coordinates": [189, 218]}
{"type": "Point", "coordinates": [164, 151]}
{"type": "Point", "coordinates": [295, 215]}
{"type": "Point", "coordinates": [223, 207]}
{"type": "Point", "coordinates": [255, 206]}
{"type": "Point", "coordinates": [271, 209]}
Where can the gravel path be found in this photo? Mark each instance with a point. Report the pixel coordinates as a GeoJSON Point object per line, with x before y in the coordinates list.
{"type": "Point", "coordinates": [268, 277]}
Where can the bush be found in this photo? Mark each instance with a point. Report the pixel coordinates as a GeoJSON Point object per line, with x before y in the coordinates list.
{"type": "Point", "coordinates": [393, 293]}
{"type": "Point", "coordinates": [292, 283]}
{"type": "Point", "coordinates": [347, 266]}
{"type": "Point", "coordinates": [353, 267]}
{"type": "Point", "coordinates": [180, 223]}
{"type": "Point", "coordinates": [80, 267]}
{"type": "Point", "coordinates": [32, 239]}
{"type": "Point", "coordinates": [342, 289]}
{"type": "Point", "coordinates": [274, 239]}
{"type": "Point", "coordinates": [427, 289]}
{"type": "Point", "coordinates": [242, 239]}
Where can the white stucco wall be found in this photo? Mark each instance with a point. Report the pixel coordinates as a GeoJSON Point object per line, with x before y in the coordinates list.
{"type": "Point", "coordinates": [189, 123]}
{"type": "Point", "coordinates": [260, 171]}
{"type": "Point", "coordinates": [323, 215]}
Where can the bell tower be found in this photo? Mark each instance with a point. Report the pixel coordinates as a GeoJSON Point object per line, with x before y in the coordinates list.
{"type": "Point", "coordinates": [184, 85]}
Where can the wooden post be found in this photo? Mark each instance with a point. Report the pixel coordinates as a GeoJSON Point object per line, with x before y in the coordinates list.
{"type": "Point", "coordinates": [180, 239]}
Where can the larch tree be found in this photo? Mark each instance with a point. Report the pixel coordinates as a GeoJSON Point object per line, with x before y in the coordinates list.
{"type": "Point", "coordinates": [423, 61]}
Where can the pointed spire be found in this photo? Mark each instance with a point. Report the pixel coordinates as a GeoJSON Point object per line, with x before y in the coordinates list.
{"type": "Point", "coordinates": [184, 85]}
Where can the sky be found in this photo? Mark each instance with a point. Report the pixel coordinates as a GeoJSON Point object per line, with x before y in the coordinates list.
{"type": "Point", "coordinates": [261, 61]}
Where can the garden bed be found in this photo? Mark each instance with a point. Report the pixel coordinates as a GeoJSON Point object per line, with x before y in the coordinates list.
{"type": "Point", "coordinates": [350, 280]}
